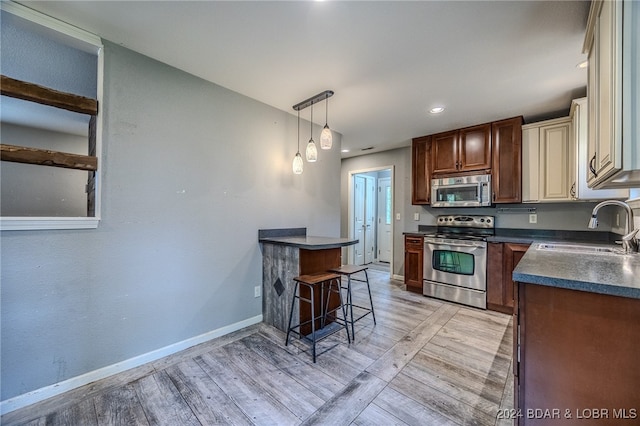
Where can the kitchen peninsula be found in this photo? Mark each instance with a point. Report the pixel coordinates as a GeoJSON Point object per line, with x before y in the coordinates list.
{"type": "Point", "coordinates": [287, 253]}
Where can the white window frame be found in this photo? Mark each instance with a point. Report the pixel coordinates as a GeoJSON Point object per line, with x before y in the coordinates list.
{"type": "Point", "coordinates": [87, 42]}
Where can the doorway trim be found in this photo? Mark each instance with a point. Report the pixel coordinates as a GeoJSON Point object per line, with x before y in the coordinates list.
{"type": "Point", "coordinates": [351, 209]}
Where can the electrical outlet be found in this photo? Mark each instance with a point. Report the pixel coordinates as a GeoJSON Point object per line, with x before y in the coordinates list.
{"type": "Point", "coordinates": [533, 218]}
{"type": "Point", "coordinates": [257, 291]}
{"type": "Point", "coordinates": [416, 216]}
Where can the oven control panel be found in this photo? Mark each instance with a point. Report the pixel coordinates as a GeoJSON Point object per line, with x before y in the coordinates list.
{"type": "Point", "coordinates": [466, 221]}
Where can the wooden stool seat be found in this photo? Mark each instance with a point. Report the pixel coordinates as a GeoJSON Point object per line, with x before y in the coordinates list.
{"type": "Point", "coordinates": [348, 271]}
{"type": "Point", "coordinates": [314, 282]}
{"type": "Point", "coordinates": [316, 278]}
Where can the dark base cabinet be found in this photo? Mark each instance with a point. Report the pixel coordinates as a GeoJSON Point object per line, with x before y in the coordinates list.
{"type": "Point", "coordinates": [578, 357]}
{"type": "Point", "coordinates": [413, 253]}
{"type": "Point", "coordinates": [502, 258]}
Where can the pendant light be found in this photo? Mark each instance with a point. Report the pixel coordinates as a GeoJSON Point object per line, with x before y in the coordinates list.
{"type": "Point", "coordinates": [326, 139]}
{"type": "Point", "coordinates": [312, 151]}
{"type": "Point", "coordinates": [298, 165]}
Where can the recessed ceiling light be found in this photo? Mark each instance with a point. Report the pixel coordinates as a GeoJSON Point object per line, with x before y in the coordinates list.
{"type": "Point", "coordinates": [436, 110]}
{"type": "Point", "coordinates": [345, 150]}
{"type": "Point", "coordinates": [583, 64]}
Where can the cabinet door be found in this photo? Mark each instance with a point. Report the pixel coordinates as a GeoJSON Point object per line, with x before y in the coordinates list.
{"type": "Point", "coordinates": [495, 267]}
{"type": "Point", "coordinates": [444, 152]}
{"type": "Point", "coordinates": [592, 115]}
{"type": "Point", "coordinates": [506, 172]}
{"type": "Point", "coordinates": [420, 171]}
{"type": "Point", "coordinates": [474, 148]}
{"type": "Point", "coordinates": [502, 258]}
{"type": "Point", "coordinates": [579, 126]}
{"type": "Point", "coordinates": [605, 43]}
{"type": "Point", "coordinates": [605, 93]}
{"type": "Point", "coordinates": [530, 164]}
{"type": "Point", "coordinates": [512, 254]}
{"type": "Point", "coordinates": [413, 253]}
{"type": "Point", "coordinates": [556, 162]}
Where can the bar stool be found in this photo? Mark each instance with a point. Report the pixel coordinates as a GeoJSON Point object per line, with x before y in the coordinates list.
{"type": "Point", "coordinates": [348, 271]}
{"type": "Point", "coordinates": [314, 282]}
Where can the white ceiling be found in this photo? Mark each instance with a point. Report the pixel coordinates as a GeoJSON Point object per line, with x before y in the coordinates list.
{"type": "Point", "coordinates": [388, 62]}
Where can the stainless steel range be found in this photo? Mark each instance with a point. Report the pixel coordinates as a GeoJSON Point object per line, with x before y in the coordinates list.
{"type": "Point", "coordinates": [455, 259]}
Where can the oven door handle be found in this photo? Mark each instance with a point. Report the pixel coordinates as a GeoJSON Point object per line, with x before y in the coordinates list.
{"type": "Point", "coordinates": [470, 244]}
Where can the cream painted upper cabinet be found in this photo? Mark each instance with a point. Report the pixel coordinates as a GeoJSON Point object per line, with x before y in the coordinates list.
{"type": "Point", "coordinates": [612, 44]}
{"type": "Point", "coordinates": [579, 126]}
{"type": "Point", "coordinates": [547, 161]}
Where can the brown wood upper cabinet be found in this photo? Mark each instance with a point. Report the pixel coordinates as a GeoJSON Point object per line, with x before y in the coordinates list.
{"type": "Point", "coordinates": [506, 172]}
{"type": "Point", "coordinates": [463, 150]}
{"type": "Point", "coordinates": [421, 170]}
{"type": "Point", "coordinates": [494, 148]}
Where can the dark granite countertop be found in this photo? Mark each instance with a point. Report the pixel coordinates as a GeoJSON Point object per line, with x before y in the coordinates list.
{"type": "Point", "coordinates": [528, 236]}
{"type": "Point", "coordinates": [297, 237]}
{"type": "Point", "coordinates": [310, 243]}
{"type": "Point", "coordinates": [616, 275]}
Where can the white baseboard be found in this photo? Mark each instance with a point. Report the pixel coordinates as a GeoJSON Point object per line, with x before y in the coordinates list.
{"type": "Point", "coordinates": [398, 277]}
{"type": "Point", "coordinates": [41, 394]}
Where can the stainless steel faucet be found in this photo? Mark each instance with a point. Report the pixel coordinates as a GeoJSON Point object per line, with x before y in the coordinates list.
{"type": "Point", "coordinates": [629, 240]}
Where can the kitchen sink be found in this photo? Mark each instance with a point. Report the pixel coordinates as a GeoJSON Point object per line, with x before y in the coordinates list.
{"type": "Point", "coordinates": [579, 248]}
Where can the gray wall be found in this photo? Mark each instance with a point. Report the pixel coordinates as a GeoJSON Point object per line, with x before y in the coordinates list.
{"type": "Point", "coordinates": [190, 172]}
{"type": "Point", "coordinates": [30, 53]}
{"type": "Point", "coordinates": [31, 190]}
{"type": "Point", "coordinates": [568, 216]}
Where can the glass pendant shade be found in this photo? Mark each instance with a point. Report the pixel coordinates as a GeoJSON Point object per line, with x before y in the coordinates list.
{"type": "Point", "coordinates": [297, 164]}
{"type": "Point", "coordinates": [312, 151]}
{"type": "Point", "coordinates": [326, 139]}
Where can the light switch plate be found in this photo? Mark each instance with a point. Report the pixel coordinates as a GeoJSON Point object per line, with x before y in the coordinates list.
{"type": "Point", "coordinates": [533, 218]}
{"type": "Point", "coordinates": [397, 216]}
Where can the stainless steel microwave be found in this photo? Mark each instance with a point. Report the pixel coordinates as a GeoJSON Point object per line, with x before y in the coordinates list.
{"type": "Point", "coordinates": [461, 191]}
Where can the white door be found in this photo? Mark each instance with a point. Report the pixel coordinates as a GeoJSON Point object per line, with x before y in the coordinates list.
{"type": "Point", "coordinates": [359, 218]}
{"type": "Point", "coordinates": [364, 219]}
{"type": "Point", "coordinates": [385, 211]}
{"type": "Point", "coordinates": [370, 219]}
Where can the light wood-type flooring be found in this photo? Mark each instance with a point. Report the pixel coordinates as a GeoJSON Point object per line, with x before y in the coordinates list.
{"type": "Point", "coordinates": [426, 362]}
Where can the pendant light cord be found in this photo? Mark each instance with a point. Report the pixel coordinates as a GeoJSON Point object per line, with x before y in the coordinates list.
{"type": "Point", "coordinates": [326, 110]}
{"type": "Point", "coordinates": [298, 130]}
{"type": "Point", "coordinates": [311, 136]}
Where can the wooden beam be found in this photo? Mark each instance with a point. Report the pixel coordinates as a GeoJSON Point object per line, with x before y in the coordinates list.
{"type": "Point", "coordinates": [45, 96]}
{"type": "Point", "coordinates": [44, 157]}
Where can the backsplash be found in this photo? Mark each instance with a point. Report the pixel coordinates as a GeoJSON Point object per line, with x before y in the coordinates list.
{"type": "Point", "coordinates": [560, 216]}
